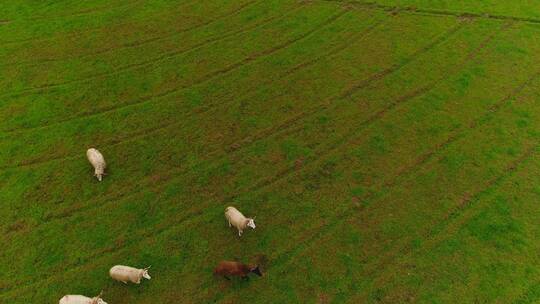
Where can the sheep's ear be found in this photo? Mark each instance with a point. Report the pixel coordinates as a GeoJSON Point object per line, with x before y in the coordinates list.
{"type": "Point", "coordinates": [148, 267]}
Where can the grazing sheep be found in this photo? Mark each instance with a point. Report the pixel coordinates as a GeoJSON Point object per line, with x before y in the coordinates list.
{"type": "Point", "coordinates": [125, 273]}
{"type": "Point", "coordinates": [78, 299]}
{"type": "Point", "coordinates": [237, 219]}
{"type": "Point", "coordinates": [230, 268]}
{"type": "Point", "coordinates": [98, 162]}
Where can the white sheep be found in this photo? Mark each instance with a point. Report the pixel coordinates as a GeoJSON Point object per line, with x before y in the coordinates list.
{"type": "Point", "coordinates": [98, 162]}
{"type": "Point", "coordinates": [125, 273]}
{"type": "Point", "coordinates": [78, 299]}
{"type": "Point", "coordinates": [238, 220]}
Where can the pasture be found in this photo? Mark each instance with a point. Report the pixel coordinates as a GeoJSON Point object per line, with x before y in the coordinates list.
{"type": "Point", "coordinates": [389, 150]}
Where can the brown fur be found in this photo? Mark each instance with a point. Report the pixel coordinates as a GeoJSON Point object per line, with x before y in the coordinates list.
{"type": "Point", "coordinates": [230, 268]}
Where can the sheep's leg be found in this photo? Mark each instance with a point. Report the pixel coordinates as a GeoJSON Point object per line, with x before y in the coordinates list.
{"type": "Point", "coordinates": [230, 224]}
{"type": "Point", "coordinates": [239, 232]}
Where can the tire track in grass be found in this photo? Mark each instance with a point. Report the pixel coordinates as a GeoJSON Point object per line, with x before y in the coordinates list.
{"type": "Point", "coordinates": [135, 66]}
{"type": "Point", "coordinates": [271, 50]}
{"type": "Point", "coordinates": [450, 221]}
{"type": "Point", "coordinates": [350, 40]}
{"type": "Point", "coordinates": [398, 66]}
{"type": "Point", "coordinates": [193, 214]}
{"type": "Point", "coordinates": [367, 122]}
{"type": "Point", "coordinates": [189, 216]}
{"type": "Point", "coordinates": [362, 84]}
{"type": "Point", "coordinates": [127, 45]}
{"type": "Point", "coordinates": [267, 132]}
{"type": "Point", "coordinates": [230, 149]}
{"type": "Point", "coordinates": [41, 39]}
{"type": "Point", "coordinates": [435, 12]}
{"type": "Point", "coordinates": [147, 132]}
{"type": "Point", "coordinates": [147, 98]}
{"type": "Point", "coordinates": [262, 135]}
{"type": "Point", "coordinates": [88, 11]}
{"type": "Point", "coordinates": [165, 226]}
{"type": "Point", "coordinates": [471, 126]}
{"type": "Point", "coordinates": [72, 34]}
{"type": "Point", "coordinates": [348, 212]}
{"type": "Point", "coordinates": [203, 79]}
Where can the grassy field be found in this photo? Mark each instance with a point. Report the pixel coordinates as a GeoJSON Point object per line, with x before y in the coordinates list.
{"type": "Point", "coordinates": [389, 150]}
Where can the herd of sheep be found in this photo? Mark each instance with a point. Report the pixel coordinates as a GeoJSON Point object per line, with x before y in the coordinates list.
{"type": "Point", "coordinates": [127, 274]}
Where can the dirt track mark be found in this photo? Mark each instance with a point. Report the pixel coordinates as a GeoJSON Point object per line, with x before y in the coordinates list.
{"type": "Point", "coordinates": [139, 43]}
{"type": "Point", "coordinates": [436, 12]}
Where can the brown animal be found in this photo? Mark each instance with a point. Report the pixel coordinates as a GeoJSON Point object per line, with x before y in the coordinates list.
{"type": "Point", "coordinates": [230, 268]}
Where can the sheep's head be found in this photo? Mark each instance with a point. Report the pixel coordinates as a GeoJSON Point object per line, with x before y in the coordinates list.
{"type": "Point", "coordinates": [99, 174]}
{"type": "Point", "coordinates": [256, 270]}
{"type": "Point", "coordinates": [98, 299]}
{"type": "Point", "coordinates": [145, 273]}
{"type": "Point", "coordinates": [251, 223]}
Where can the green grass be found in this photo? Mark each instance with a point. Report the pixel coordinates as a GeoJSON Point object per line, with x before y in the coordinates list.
{"type": "Point", "coordinates": [388, 149]}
